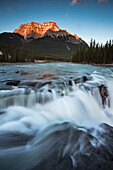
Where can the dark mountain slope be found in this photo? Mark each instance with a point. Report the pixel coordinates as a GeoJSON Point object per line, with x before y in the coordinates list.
{"type": "Point", "coordinates": [12, 39]}
{"type": "Point", "coordinates": [52, 46]}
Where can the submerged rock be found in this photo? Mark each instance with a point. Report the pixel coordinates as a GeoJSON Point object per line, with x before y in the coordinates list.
{"type": "Point", "coordinates": [44, 96]}
{"type": "Point", "coordinates": [23, 73]}
{"type": "Point", "coordinates": [5, 87]}
{"type": "Point", "coordinates": [28, 83]}
{"type": "Point", "coordinates": [43, 83]}
{"type": "Point", "coordinates": [2, 112]}
{"type": "Point", "coordinates": [3, 71]}
{"type": "Point", "coordinates": [12, 140]}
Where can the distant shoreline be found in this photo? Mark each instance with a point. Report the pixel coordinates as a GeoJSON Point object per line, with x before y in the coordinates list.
{"type": "Point", "coordinates": [103, 65]}
{"type": "Point", "coordinates": [21, 63]}
{"type": "Point", "coordinates": [43, 62]}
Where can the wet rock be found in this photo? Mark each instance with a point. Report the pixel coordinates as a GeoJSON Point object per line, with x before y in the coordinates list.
{"type": "Point", "coordinates": [64, 147]}
{"type": "Point", "coordinates": [100, 156]}
{"type": "Point", "coordinates": [28, 83]}
{"type": "Point", "coordinates": [70, 83]}
{"type": "Point", "coordinates": [17, 72]}
{"type": "Point", "coordinates": [107, 135]}
{"type": "Point", "coordinates": [83, 151]}
{"type": "Point", "coordinates": [23, 73]}
{"type": "Point", "coordinates": [103, 91]}
{"type": "Point", "coordinates": [82, 79]}
{"type": "Point", "coordinates": [2, 112]}
{"type": "Point", "coordinates": [27, 91]}
{"type": "Point", "coordinates": [85, 78]}
{"type": "Point", "coordinates": [47, 75]}
{"type": "Point", "coordinates": [54, 160]}
{"type": "Point", "coordinates": [13, 139]}
{"type": "Point", "coordinates": [42, 84]}
{"type": "Point", "coordinates": [12, 82]}
{"type": "Point", "coordinates": [78, 80]}
{"type": "Point", "coordinates": [108, 165]}
{"type": "Point", "coordinates": [65, 164]}
{"type": "Point", "coordinates": [50, 90]}
{"type": "Point", "coordinates": [104, 94]}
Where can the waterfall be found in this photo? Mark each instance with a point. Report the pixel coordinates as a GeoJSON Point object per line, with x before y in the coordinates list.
{"type": "Point", "coordinates": [49, 122]}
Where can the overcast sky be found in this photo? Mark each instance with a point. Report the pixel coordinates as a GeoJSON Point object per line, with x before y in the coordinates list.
{"type": "Point", "coordinates": [86, 18]}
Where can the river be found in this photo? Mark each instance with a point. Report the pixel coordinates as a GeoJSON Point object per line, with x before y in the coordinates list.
{"type": "Point", "coordinates": [56, 116]}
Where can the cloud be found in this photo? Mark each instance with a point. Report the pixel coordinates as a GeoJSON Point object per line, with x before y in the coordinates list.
{"type": "Point", "coordinates": [9, 9]}
{"type": "Point", "coordinates": [74, 2]}
{"type": "Point", "coordinates": [102, 1]}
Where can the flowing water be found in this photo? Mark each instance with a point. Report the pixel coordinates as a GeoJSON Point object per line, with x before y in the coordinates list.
{"type": "Point", "coordinates": [51, 111]}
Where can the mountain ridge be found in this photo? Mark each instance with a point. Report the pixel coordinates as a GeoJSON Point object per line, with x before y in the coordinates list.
{"type": "Point", "coordinates": [46, 38]}
{"type": "Point", "coordinates": [39, 28]}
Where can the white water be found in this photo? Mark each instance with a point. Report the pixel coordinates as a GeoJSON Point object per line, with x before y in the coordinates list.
{"type": "Point", "coordinates": [78, 105]}
{"type": "Point", "coordinates": [40, 114]}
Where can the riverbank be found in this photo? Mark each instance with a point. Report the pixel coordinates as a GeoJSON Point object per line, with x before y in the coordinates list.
{"type": "Point", "coordinates": [103, 65]}
{"type": "Point", "coordinates": [93, 64]}
{"type": "Point", "coordinates": [43, 61]}
{"type": "Point", "coordinates": [22, 63]}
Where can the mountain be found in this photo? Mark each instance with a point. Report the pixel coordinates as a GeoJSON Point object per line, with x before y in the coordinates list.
{"type": "Point", "coordinates": [45, 38]}
{"type": "Point", "coordinates": [38, 28]}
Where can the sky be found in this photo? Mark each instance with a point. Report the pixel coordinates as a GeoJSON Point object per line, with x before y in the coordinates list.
{"type": "Point", "coordinates": [86, 18]}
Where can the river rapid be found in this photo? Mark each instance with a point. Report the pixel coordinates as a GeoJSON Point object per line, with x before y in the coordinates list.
{"type": "Point", "coordinates": [56, 116]}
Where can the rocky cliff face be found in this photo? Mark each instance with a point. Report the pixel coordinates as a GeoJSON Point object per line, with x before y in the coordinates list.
{"type": "Point", "coordinates": [37, 28]}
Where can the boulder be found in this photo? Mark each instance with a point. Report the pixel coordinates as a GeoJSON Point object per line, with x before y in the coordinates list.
{"type": "Point", "coordinates": [12, 82]}
{"type": "Point", "coordinates": [82, 79]}
{"type": "Point", "coordinates": [83, 151]}
{"type": "Point", "coordinates": [104, 94]}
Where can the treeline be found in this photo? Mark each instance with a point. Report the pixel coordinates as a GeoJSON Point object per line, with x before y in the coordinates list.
{"type": "Point", "coordinates": [98, 54]}
{"type": "Point", "coordinates": [13, 54]}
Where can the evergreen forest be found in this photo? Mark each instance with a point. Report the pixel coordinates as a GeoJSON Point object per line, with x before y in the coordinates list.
{"type": "Point", "coordinates": [95, 54]}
